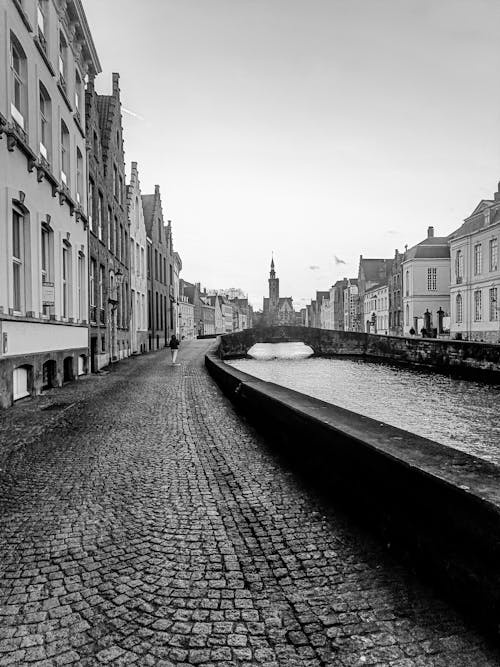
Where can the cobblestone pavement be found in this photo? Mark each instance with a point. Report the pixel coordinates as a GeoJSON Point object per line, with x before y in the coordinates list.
{"type": "Point", "coordinates": [141, 522]}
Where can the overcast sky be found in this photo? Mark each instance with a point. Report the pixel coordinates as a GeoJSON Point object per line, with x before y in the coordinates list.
{"type": "Point", "coordinates": [311, 128]}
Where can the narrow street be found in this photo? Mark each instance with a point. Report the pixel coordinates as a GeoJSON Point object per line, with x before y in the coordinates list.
{"type": "Point", "coordinates": [141, 521]}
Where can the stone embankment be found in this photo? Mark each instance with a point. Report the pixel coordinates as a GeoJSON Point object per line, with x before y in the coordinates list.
{"type": "Point", "coordinates": [439, 506]}
{"type": "Point", "coordinates": [475, 359]}
{"type": "Point", "coordinates": [143, 522]}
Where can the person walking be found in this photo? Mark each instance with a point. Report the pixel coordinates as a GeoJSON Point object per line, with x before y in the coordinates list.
{"type": "Point", "coordinates": [174, 348]}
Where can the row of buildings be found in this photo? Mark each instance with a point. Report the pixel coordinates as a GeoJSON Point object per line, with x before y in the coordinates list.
{"type": "Point", "coordinates": [88, 270]}
{"type": "Point", "coordinates": [443, 286]}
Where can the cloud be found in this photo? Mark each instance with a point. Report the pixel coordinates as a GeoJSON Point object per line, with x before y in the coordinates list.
{"type": "Point", "coordinates": [314, 267]}
{"type": "Point", "coordinates": [390, 232]}
{"type": "Point", "coordinates": [338, 260]}
{"type": "Point", "coordinates": [132, 113]}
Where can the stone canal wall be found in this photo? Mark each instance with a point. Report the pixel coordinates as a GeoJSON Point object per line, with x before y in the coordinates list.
{"type": "Point", "coordinates": [436, 505]}
{"type": "Point", "coordinates": [479, 359]}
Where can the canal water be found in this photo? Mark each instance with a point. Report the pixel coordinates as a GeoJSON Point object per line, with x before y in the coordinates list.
{"type": "Point", "coordinates": [458, 413]}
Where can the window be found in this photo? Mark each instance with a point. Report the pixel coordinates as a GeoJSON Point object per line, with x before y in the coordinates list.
{"type": "Point", "coordinates": [407, 283]}
{"type": "Point", "coordinates": [41, 23]}
{"type": "Point", "coordinates": [18, 260]}
{"type": "Point", "coordinates": [494, 254]}
{"type": "Point", "coordinates": [78, 92]}
{"type": "Point", "coordinates": [137, 260]}
{"type": "Point", "coordinates": [478, 259]}
{"type": "Point", "coordinates": [478, 310]}
{"type": "Point", "coordinates": [459, 266]}
{"type": "Point", "coordinates": [81, 286]}
{"type": "Point", "coordinates": [66, 281]}
{"type": "Point", "coordinates": [142, 262]}
{"type": "Point", "coordinates": [115, 181]}
{"type": "Point", "coordinates": [487, 216]}
{"type": "Point", "coordinates": [120, 189]}
{"type": "Point", "coordinates": [45, 123]}
{"type": "Point", "coordinates": [101, 288]}
{"type": "Point", "coordinates": [96, 145]}
{"type": "Point", "coordinates": [132, 255]}
{"type": "Point", "coordinates": [100, 216]}
{"type": "Point", "coordinates": [458, 303]}
{"type": "Point", "coordinates": [63, 60]}
{"type": "Point", "coordinates": [432, 280]}
{"type": "Point", "coordinates": [92, 277]}
{"type": "Point", "coordinates": [46, 267]}
{"type": "Point", "coordinates": [109, 229]}
{"type": "Point", "coordinates": [494, 308]}
{"type": "Point", "coordinates": [64, 153]}
{"type": "Point", "coordinates": [79, 176]}
{"type": "Point", "coordinates": [18, 68]}
{"type": "Point", "coordinates": [90, 204]}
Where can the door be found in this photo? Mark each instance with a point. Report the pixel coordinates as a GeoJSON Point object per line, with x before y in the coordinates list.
{"type": "Point", "coordinates": [93, 354]}
{"type": "Point", "coordinates": [20, 382]}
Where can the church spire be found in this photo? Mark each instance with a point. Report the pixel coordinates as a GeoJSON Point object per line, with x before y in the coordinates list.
{"type": "Point", "coordinates": [272, 273]}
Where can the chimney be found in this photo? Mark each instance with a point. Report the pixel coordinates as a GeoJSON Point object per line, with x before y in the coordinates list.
{"type": "Point", "coordinates": [430, 232]}
{"type": "Point", "coordinates": [497, 193]}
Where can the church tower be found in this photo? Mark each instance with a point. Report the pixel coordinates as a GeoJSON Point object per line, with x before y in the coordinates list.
{"type": "Point", "coordinates": [274, 294]}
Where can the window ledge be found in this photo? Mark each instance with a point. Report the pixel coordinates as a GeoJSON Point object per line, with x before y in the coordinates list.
{"type": "Point", "coordinates": [39, 320]}
{"type": "Point", "coordinates": [78, 122]}
{"type": "Point", "coordinates": [23, 15]}
{"type": "Point", "coordinates": [64, 95]}
{"type": "Point", "coordinates": [44, 55]}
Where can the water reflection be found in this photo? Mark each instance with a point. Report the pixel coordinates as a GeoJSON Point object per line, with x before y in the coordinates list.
{"type": "Point", "coordinates": [266, 351]}
{"type": "Point", "coordinates": [458, 413]}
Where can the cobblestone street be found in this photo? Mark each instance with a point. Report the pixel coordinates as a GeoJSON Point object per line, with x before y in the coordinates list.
{"type": "Point", "coordinates": [142, 522]}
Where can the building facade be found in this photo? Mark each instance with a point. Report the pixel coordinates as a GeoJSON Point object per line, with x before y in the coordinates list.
{"type": "Point", "coordinates": [138, 266]}
{"type": "Point", "coordinates": [351, 306]}
{"type": "Point", "coordinates": [376, 309]}
{"type": "Point", "coordinates": [426, 286]}
{"type": "Point", "coordinates": [177, 276]}
{"type": "Point", "coordinates": [109, 279]}
{"type": "Point", "coordinates": [187, 330]}
{"type": "Point", "coordinates": [47, 51]}
{"type": "Point", "coordinates": [371, 272]}
{"type": "Point", "coordinates": [156, 260]}
{"type": "Point", "coordinates": [395, 283]}
{"type": "Point", "coordinates": [475, 274]}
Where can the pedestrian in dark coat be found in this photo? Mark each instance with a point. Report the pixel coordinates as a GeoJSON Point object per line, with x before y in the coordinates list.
{"type": "Point", "coordinates": [174, 347]}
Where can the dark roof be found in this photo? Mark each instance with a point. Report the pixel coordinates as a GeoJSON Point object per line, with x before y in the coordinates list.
{"type": "Point", "coordinates": [476, 220]}
{"type": "Point", "coordinates": [430, 248]}
{"type": "Point", "coordinates": [375, 269]}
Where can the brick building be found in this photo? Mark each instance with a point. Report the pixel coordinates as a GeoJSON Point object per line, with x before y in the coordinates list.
{"type": "Point", "coordinates": [395, 285]}
{"type": "Point", "coordinates": [158, 239]}
{"type": "Point", "coordinates": [138, 271]}
{"type": "Point", "coordinates": [109, 279]}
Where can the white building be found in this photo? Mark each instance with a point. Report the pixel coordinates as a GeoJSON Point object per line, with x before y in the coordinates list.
{"type": "Point", "coordinates": [138, 269]}
{"type": "Point", "coordinates": [351, 307]}
{"type": "Point", "coordinates": [47, 50]}
{"type": "Point", "coordinates": [475, 275]}
{"type": "Point", "coordinates": [227, 315]}
{"type": "Point", "coordinates": [377, 309]}
{"type": "Point", "coordinates": [426, 286]}
{"type": "Point", "coordinates": [187, 329]}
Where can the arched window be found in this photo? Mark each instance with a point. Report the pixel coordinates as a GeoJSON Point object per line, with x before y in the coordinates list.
{"type": "Point", "coordinates": [407, 315]}
{"type": "Point", "coordinates": [64, 153]}
{"type": "Point", "coordinates": [19, 91]}
{"type": "Point", "coordinates": [45, 123]}
{"type": "Point", "coordinates": [407, 283]}
{"type": "Point", "coordinates": [459, 312]}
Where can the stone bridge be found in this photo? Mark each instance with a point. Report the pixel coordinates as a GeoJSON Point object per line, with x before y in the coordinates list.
{"type": "Point", "coordinates": [478, 359]}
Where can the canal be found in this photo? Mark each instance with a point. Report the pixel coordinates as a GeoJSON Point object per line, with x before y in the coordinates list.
{"type": "Point", "coordinates": [459, 413]}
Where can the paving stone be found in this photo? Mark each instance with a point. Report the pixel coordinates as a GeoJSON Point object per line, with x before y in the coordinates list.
{"type": "Point", "coordinates": [148, 524]}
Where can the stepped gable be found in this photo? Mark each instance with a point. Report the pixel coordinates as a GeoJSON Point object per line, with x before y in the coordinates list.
{"type": "Point", "coordinates": [152, 208]}
{"type": "Point", "coordinates": [133, 186]}
{"type": "Point", "coordinates": [109, 110]}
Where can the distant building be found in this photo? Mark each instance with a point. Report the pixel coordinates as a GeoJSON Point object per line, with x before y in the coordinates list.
{"type": "Point", "coordinates": [176, 289]}
{"type": "Point", "coordinates": [376, 309]}
{"type": "Point", "coordinates": [138, 270]}
{"type": "Point", "coordinates": [216, 301]}
{"type": "Point", "coordinates": [158, 288]}
{"type": "Point", "coordinates": [395, 283]}
{"type": "Point", "coordinates": [475, 274]}
{"type": "Point", "coordinates": [371, 272]}
{"type": "Point", "coordinates": [426, 285]}
{"type": "Point", "coordinates": [277, 310]}
{"type": "Point", "coordinates": [332, 308]}
{"type": "Point", "coordinates": [187, 329]}
{"type": "Point", "coordinates": [351, 305]}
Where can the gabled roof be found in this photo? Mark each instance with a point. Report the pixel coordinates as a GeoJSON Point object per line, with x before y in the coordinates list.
{"type": "Point", "coordinates": [375, 269]}
{"type": "Point", "coordinates": [109, 112]}
{"type": "Point", "coordinates": [484, 203]}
